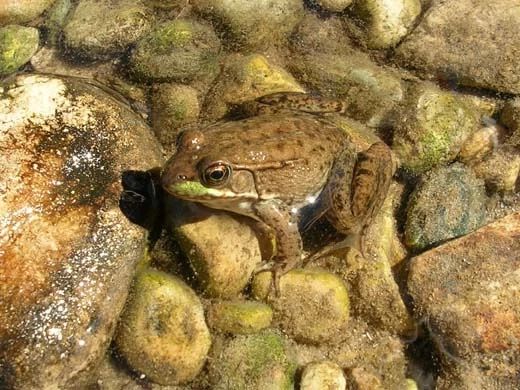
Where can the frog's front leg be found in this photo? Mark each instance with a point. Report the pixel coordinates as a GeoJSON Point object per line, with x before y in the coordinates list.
{"type": "Point", "coordinates": [278, 216]}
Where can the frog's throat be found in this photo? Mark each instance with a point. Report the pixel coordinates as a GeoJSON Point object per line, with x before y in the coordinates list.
{"type": "Point", "coordinates": [193, 190]}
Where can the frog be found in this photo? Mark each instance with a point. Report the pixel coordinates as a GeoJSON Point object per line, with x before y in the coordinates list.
{"type": "Point", "coordinates": [284, 155]}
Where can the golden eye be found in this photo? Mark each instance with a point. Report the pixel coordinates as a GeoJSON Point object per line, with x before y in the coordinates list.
{"type": "Point", "coordinates": [216, 174]}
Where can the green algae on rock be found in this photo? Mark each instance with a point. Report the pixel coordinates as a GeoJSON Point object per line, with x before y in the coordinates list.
{"type": "Point", "coordinates": [162, 332]}
{"type": "Point", "coordinates": [432, 128]}
{"type": "Point", "coordinates": [55, 19]}
{"type": "Point", "coordinates": [252, 362]}
{"type": "Point", "coordinates": [17, 45]}
{"type": "Point", "coordinates": [448, 202]}
{"type": "Point", "coordinates": [179, 50]}
{"type": "Point", "coordinates": [313, 305]}
{"type": "Point", "coordinates": [239, 317]}
{"type": "Point", "coordinates": [98, 29]}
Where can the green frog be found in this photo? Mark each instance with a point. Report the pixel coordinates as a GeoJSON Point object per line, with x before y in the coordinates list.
{"type": "Point", "coordinates": [271, 165]}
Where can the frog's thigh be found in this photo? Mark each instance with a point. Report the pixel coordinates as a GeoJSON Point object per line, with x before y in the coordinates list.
{"type": "Point", "coordinates": [278, 216]}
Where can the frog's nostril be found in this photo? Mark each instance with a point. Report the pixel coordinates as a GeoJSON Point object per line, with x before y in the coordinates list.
{"type": "Point", "coordinates": [182, 177]}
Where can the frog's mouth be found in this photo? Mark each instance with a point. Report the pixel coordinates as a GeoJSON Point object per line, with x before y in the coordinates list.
{"type": "Point", "coordinates": [195, 191]}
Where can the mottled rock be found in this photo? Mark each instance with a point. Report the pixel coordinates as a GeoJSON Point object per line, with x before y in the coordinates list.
{"type": "Point", "coordinates": [510, 116]}
{"type": "Point", "coordinates": [324, 59]}
{"type": "Point", "coordinates": [255, 362]}
{"type": "Point", "coordinates": [383, 23]}
{"type": "Point", "coordinates": [334, 5]}
{"type": "Point", "coordinates": [482, 142]}
{"type": "Point", "coordinates": [500, 170]}
{"type": "Point", "coordinates": [103, 28]}
{"type": "Point", "coordinates": [67, 252]}
{"type": "Point", "coordinates": [55, 20]}
{"type": "Point", "coordinates": [239, 317]}
{"type": "Point", "coordinates": [222, 248]}
{"type": "Point", "coordinates": [433, 125]}
{"type": "Point", "coordinates": [21, 11]}
{"type": "Point", "coordinates": [245, 78]}
{"type": "Point", "coordinates": [479, 49]}
{"type": "Point", "coordinates": [313, 305]}
{"type": "Point", "coordinates": [17, 45]}
{"type": "Point", "coordinates": [252, 25]}
{"type": "Point", "coordinates": [173, 106]}
{"type": "Point", "coordinates": [325, 375]}
{"type": "Point", "coordinates": [448, 202]}
{"type": "Point", "coordinates": [179, 50]}
{"type": "Point", "coordinates": [467, 291]}
{"type": "Point", "coordinates": [162, 332]}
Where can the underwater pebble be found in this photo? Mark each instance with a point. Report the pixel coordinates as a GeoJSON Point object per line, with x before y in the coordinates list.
{"type": "Point", "coordinates": [252, 362]}
{"type": "Point", "coordinates": [448, 202]}
{"type": "Point", "coordinates": [21, 11]}
{"type": "Point", "coordinates": [510, 117]}
{"type": "Point", "coordinates": [500, 170]}
{"type": "Point", "coordinates": [17, 45]}
{"type": "Point", "coordinates": [325, 375]}
{"type": "Point", "coordinates": [467, 292]}
{"type": "Point", "coordinates": [432, 128]}
{"type": "Point", "coordinates": [162, 332]}
{"type": "Point", "coordinates": [384, 23]}
{"type": "Point", "coordinates": [313, 305]}
{"type": "Point", "coordinates": [98, 29]}
{"type": "Point", "coordinates": [178, 50]}
{"type": "Point", "coordinates": [252, 25]}
{"type": "Point", "coordinates": [479, 49]}
{"type": "Point", "coordinates": [68, 252]}
{"type": "Point", "coordinates": [55, 20]}
{"type": "Point", "coordinates": [239, 317]}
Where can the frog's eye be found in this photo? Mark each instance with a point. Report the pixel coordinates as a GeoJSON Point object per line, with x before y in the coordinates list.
{"type": "Point", "coordinates": [216, 174]}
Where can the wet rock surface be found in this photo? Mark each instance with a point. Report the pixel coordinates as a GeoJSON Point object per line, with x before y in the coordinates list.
{"type": "Point", "coordinates": [63, 237]}
{"type": "Point", "coordinates": [17, 45]}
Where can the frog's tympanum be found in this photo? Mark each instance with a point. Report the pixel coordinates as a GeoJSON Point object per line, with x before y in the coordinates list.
{"type": "Point", "coordinates": [271, 165]}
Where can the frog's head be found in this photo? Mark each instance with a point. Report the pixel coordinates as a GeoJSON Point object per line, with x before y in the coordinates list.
{"type": "Point", "coordinates": [196, 172]}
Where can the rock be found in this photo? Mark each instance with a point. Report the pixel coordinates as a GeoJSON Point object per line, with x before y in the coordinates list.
{"type": "Point", "coordinates": [325, 375]}
{"type": "Point", "coordinates": [255, 362]}
{"type": "Point", "coordinates": [432, 128]}
{"type": "Point", "coordinates": [180, 50]}
{"type": "Point", "coordinates": [500, 170]}
{"type": "Point", "coordinates": [334, 5]}
{"type": "Point", "coordinates": [467, 290]}
{"type": "Point", "coordinates": [383, 24]}
{"type": "Point", "coordinates": [223, 250]}
{"type": "Point", "coordinates": [239, 317]}
{"type": "Point", "coordinates": [252, 26]}
{"type": "Point", "coordinates": [482, 142]}
{"type": "Point", "coordinates": [323, 59]}
{"type": "Point", "coordinates": [68, 252]}
{"type": "Point", "coordinates": [448, 202]}
{"type": "Point", "coordinates": [55, 20]}
{"type": "Point", "coordinates": [162, 332]}
{"type": "Point", "coordinates": [245, 78]}
{"type": "Point", "coordinates": [99, 29]}
{"type": "Point", "coordinates": [510, 116]}
{"type": "Point", "coordinates": [478, 50]}
{"type": "Point", "coordinates": [173, 106]}
{"type": "Point", "coordinates": [17, 45]}
{"type": "Point", "coordinates": [313, 305]}
{"type": "Point", "coordinates": [21, 11]}
{"type": "Point", "coordinates": [360, 378]}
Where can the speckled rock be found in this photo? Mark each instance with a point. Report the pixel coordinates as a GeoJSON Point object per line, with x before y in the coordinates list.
{"type": "Point", "coordinates": [468, 291]}
{"type": "Point", "coordinates": [239, 317]}
{"type": "Point", "coordinates": [325, 375]}
{"type": "Point", "coordinates": [500, 170]}
{"type": "Point", "coordinates": [252, 362]}
{"type": "Point", "coordinates": [313, 305]}
{"type": "Point", "coordinates": [432, 128]}
{"type": "Point", "coordinates": [103, 28]}
{"type": "Point", "coordinates": [334, 5]}
{"type": "Point", "coordinates": [383, 23]}
{"type": "Point", "coordinates": [162, 332]}
{"type": "Point", "coordinates": [324, 59]}
{"type": "Point", "coordinates": [245, 78]}
{"type": "Point", "coordinates": [21, 11]}
{"type": "Point", "coordinates": [252, 25]}
{"type": "Point", "coordinates": [448, 202]}
{"type": "Point", "coordinates": [178, 50]}
{"type": "Point", "coordinates": [510, 116]}
{"type": "Point", "coordinates": [173, 106]}
{"type": "Point", "coordinates": [482, 142]}
{"type": "Point", "coordinates": [222, 248]}
{"type": "Point", "coordinates": [17, 45]}
{"type": "Point", "coordinates": [67, 252]}
{"type": "Point", "coordinates": [479, 49]}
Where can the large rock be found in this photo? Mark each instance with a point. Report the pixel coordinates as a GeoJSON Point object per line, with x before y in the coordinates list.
{"type": "Point", "coordinates": [21, 11]}
{"type": "Point", "coordinates": [467, 291]}
{"type": "Point", "coordinates": [17, 45]}
{"type": "Point", "coordinates": [475, 41]}
{"type": "Point", "coordinates": [67, 253]}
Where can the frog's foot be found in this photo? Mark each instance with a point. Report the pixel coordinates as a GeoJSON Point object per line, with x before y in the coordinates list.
{"type": "Point", "coordinates": [276, 273]}
{"type": "Point", "coordinates": [355, 242]}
